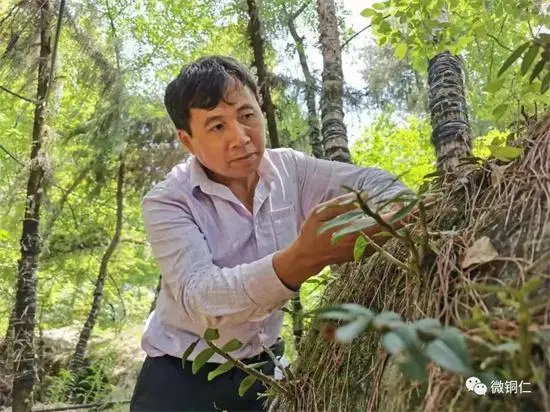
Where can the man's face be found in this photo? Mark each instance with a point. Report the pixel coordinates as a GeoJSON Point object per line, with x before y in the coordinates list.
{"type": "Point", "coordinates": [229, 139]}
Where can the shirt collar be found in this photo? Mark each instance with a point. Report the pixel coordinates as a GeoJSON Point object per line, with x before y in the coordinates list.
{"type": "Point", "coordinates": [199, 179]}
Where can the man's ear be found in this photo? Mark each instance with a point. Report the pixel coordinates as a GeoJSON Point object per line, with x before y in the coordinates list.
{"type": "Point", "coordinates": [185, 139]}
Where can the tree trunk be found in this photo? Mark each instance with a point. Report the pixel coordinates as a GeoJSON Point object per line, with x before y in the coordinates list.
{"type": "Point", "coordinates": [25, 299]}
{"type": "Point", "coordinates": [80, 351]}
{"type": "Point", "coordinates": [313, 119]}
{"type": "Point", "coordinates": [335, 141]}
{"type": "Point", "coordinates": [257, 41]}
{"type": "Point", "coordinates": [451, 134]}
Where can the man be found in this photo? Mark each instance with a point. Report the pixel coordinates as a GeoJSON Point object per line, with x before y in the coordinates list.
{"type": "Point", "coordinates": [235, 232]}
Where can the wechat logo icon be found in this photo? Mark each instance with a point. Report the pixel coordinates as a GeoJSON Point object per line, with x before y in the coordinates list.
{"type": "Point", "coordinates": [474, 385]}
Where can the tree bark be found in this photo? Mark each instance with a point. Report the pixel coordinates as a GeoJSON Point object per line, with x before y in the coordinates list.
{"type": "Point", "coordinates": [257, 41]}
{"type": "Point", "coordinates": [78, 358]}
{"type": "Point", "coordinates": [333, 129]}
{"type": "Point", "coordinates": [313, 119]}
{"type": "Point", "coordinates": [451, 133]}
{"type": "Point", "coordinates": [25, 299]}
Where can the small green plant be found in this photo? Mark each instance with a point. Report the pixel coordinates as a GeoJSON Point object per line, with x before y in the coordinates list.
{"type": "Point", "coordinates": [413, 344]}
{"type": "Point", "coordinates": [252, 370]}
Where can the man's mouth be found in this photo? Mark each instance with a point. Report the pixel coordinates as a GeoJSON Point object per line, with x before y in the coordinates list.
{"type": "Point", "coordinates": [246, 157]}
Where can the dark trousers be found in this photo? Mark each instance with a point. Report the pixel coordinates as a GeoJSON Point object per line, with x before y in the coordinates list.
{"type": "Point", "coordinates": [163, 385]}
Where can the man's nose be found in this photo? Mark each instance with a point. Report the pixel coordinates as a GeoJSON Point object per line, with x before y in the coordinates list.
{"type": "Point", "coordinates": [238, 135]}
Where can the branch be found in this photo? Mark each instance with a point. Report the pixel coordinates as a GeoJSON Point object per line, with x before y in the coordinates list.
{"type": "Point", "coordinates": [355, 35]}
{"type": "Point", "coordinates": [499, 43]}
{"type": "Point", "coordinates": [54, 53]}
{"type": "Point", "coordinates": [294, 15]}
{"type": "Point", "coordinates": [251, 371]}
{"type": "Point", "coordinates": [287, 373]}
{"type": "Point", "coordinates": [18, 95]}
{"type": "Point", "coordinates": [392, 259]}
{"type": "Point", "coordinates": [12, 156]}
{"type": "Point", "coordinates": [361, 31]}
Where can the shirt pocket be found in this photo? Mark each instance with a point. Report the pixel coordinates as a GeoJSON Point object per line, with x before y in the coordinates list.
{"type": "Point", "coordinates": [284, 225]}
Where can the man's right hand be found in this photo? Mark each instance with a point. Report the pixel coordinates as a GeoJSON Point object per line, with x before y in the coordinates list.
{"type": "Point", "coordinates": [312, 251]}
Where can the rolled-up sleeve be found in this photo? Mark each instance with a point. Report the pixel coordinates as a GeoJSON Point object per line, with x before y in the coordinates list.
{"type": "Point", "coordinates": [320, 180]}
{"type": "Point", "coordinates": [209, 295]}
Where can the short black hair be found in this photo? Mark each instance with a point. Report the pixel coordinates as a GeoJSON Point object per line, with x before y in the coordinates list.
{"type": "Point", "coordinates": [202, 85]}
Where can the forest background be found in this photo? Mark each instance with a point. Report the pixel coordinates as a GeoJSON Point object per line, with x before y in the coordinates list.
{"type": "Point", "coordinates": [107, 139]}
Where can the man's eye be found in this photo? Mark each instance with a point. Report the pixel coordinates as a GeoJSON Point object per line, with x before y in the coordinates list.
{"type": "Point", "coordinates": [217, 127]}
{"type": "Point", "coordinates": [247, 116]}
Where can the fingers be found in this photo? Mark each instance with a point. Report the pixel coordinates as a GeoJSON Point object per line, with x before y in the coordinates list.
{"type": "Point", "coordinates": [334, 207]}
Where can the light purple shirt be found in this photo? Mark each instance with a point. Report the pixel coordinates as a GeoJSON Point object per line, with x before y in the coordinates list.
{"type": "Point", "coordinates": [216, 256]}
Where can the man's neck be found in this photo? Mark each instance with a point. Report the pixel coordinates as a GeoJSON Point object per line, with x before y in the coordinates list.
{"type": "Point", "coordinates": [243, 189]}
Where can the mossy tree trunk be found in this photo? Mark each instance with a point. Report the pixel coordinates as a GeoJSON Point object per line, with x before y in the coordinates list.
{"type": "Point", "coordinates": [257, 42]}
{"type": "Point", "coordinates": [309, 90]}
{"type": "Point", "coordinates": [335, 140]}
{"type": "Point", "coordinates": [451, 134]}
{"type": "Point", "coordinates": [25, 299]}
{"type": "Point", "coordinates": [78, 358]}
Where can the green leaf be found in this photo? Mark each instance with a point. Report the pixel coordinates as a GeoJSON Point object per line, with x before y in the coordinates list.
{"type": "Point", "coordinates": [443, 355]}
{"type": "Point", "coordinates": [224, 367]}
{"type": "Point", "coordinates": [404, 211]}
{"type": "Point", "coordinates": [401, 51]}
{"type": "Point", "coordinates": [357, 310]}
{"type": "Point", "coordinates": [500, 110]}
{"type": "Point", "coordinates": [349, 332]}
{"type": "Point", "coordinates": [545, 84]}
{"type": "Point", "coordinates": [355, 227]}
{"type": "Point", "coordinates": [359, 247]}
{"type": "Point", "coordinates": [201, 359]}
{"type": "Point", "coordinates": [428, 325]}
{"type": "Point", "coordinates": [337, 315]}
{"type": "Point", "coordinates": [407, 333]}
{"type": "Point", "coordinates": [368, 12]}
{"type": "Point", "coordinates": [509, 347]}
{"type": "Point", "coordinates": [188, 352]}
{"type": "Point", "coordinates": [232, 345]}
{"type": "Point", "coordinates": [536, 70]}
{"type": "Point", "coordinates": [495, 85]}
{"type": "Point", "coordinates": [453, 338]}
{"type": "Point", "coordinates": [513, 57]}
{"type": "Point", "coordinates": [387, 319]}
{"type": "Point", "coordinates": [341, 220]}
{"type": "Point", "coordinates": [256, 365]}
{"type": "Point", "coordinates": [384, 27]}
{"type": "Point", "coordinates": [392, 343]}
{"type": "Point", "coordinates": [414, 367]}
{"type": "Point", "coordinates": [379, 6]}
{"type": "Point", "coordinates": [245, 385]}
{"type": "Point", "coordinates": [545, 37]}
{"type": "Point", "coordinates": [505, 153]}
{"type": "Point", "coordinates": [211, 334]}
{"type": "Point", "coordinates": [529, 57]}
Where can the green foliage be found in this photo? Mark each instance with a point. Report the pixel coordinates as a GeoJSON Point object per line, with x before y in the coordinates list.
{"type": "Point", "coordinates": [412, 344]}
{"type": "Point", "coordinates": [246, 383]}
{"type": "Point", "coordinates": [402, 149]}
{"type": "Point", "coordinates": [485, 34]}
{"type": "Point", "coordinates": [530, 50]}
{"type": "Point", "coordinates": [201, 359]}
{"type": "Point", "coordinates": [224, 367]}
